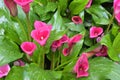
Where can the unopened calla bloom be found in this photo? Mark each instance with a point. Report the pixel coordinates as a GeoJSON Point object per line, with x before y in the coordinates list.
{"type": "Point", "coordinates": [71, 42]}
{"type": "Point", "coordinates": [95, 31]}
{"type": "Point", "coordinates": [102, 52]}
{"type": "Point", "coordinates": [77, 19]}
{"type": "Point", "coordinates": [89, 4]}
{"type": "Point", "coordinates": [19, 63]}
{"type": "Point", "coordinates": [75, 39]}
{"type": "Point", "coordinates": [82, 66]}
{"type": "Point", "coordinates": [25, 4]}
{"type": "Point", "coordinates": [4, 70]}
{"type": "Point", "coordinates": [56, 44]}
{"type": "Point", "coordinates": [116, 6]}
{"type": "Point", "coordinates": [40, 24]}
{"type": "Point", "coordinates": [66, 51]}
{"type": "Point", "coordinates": [41, 35]}
{"type": "Point", "coordinates": [11, 5]}
{"type": "Point", "coordinates": [28, 47]}
{"type": "Point", "coordinates": [100, 37]}
{"type": "Point", "coordinates": [64, 39]}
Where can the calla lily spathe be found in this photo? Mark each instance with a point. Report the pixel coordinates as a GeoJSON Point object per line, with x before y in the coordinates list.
{"type": "Point", "coordinates": [116, 6]}
{"type": "Point", "coordinates": [89, 4]}
{"type": "Point", "coordinates": [28, 47]}
{"type": "Point", "coordinates": [12, 6]}
{"type": "Point", "coordinates": [4, 70]}
{"type": "Point", "coordinates": [81, 67]}
{"type": "Point", "coordinates": [77, 19]}
{"type": "Point", "coordinates": [95, 31]}
{"type": "Point", "coordinates": [40, 24]}
{"type": "Point", "coordinates": [71, 42]}
{"type": "Point", "coordinates": [41, 32]}
{"type": "Point", "coordinates": [25, 4]}
{"type": "Point", "coordinates": [41, 35]}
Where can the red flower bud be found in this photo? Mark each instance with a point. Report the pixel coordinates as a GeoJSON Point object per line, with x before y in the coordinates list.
{"type": "Point", "coordinates": [11, 5]}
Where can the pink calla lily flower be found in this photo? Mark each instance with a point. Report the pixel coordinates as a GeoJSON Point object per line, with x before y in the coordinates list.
{"type": "Point", "coordinates": [40, 24]}
{"type": "Point", "coordinates": [82, 66]}
{"type": "Point", "coordinates": [25, 4]}
{"type": "Point", "coordinates": [95, 31]}
{"type": "Point", "coordinates": [77, 19]}
{"type": "Point", "coordinates": [89, 4]}
{"type": "Point", "coordinates": [75, 39]}
{"type": "Point", "coordinates": [28, 47]}
{"type": "Point", "coordinates": [56, 44]}
{"type": "Point", "coordinates": [4, 70]}
{"type": "Point", "coordinates": [102, 52]}
{"type": "Point", "coordinates": [64, 39]}
{"type": "Point", "coordinates": [41, 32]}
{"type": "Point", "coordinates": [41, 35]}
{"type": "Point", "coordinates": [11, 5]}
{"type": "Point", "coordinates": [116, 6]}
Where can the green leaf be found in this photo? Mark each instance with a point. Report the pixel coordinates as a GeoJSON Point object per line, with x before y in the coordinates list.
{"type": "Point", "coordinates": [112, 53]}
{"type": "Point", "coordinates": [82, 15]}
{"type": "Point", "coordinates": [116, 48]}
{"type": "Point", "coordinates": [106, 40]}
{"type": "Point", "coordinates": [39, 9]}
{"type": "Point", "coordinates": [103, 69]}
{"type": "Point", "coordinates": [68, 76]}
{"type": "Point", "coordinates": [13, 28]}
{"type": "Point", "coordinates": [63, 6]}
{"type": "Point", "coordinates": [115, 30]}
{"type": "Point", "coordinates": [10, 33]}
{"type": "Point", "coordinates": [41, 2]}
{"type": "Point", "coordinates": [76, 6]}
{"type": "Point", "coordinates": [99, 14]}
{"type": "Point", "coordinates": [9, 51]}
{"type": "Point", "coordinates": [116, 43]}
{"type": "Point", "coordinates": [33, 17]}
{"type": "Point", "coordinates": [102, 1]}
{"type": "Point", "coordinates": [70, 65]}
{"type": "Point", "coordinates": [50, 7]}
{"type": "Point", "coordinates": [2, 32]}
{"type": "Point", "coordinates": [44, 9]}
{"type": "Point", "coordinates": [56, 21]}
{"type": "Point", "coordinates": [88, 41]}
{"type": "Point", "coordinates": [75, 27]}
{"type": "Point", "coordinates": [32, 72]}
{"type": "Point", "coordinates": [20, 30]}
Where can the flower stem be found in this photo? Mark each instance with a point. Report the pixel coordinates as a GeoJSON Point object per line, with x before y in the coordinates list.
{"type": "Point", "coordinates": [28, 26]}
{"type": "Point", "coordinates": [52, 61]}
{"type": "Point", "coordinates": [28, 57]}
{"type": "Point", "coordinates": [41, 57]}
{"type": "Point", "coordinates": [90, 54]}
{"type": "Point", "coordinates": [58, 59]}
{"type": "Point", "coordinates": [111, 20]}
{"type": "Point", "coordinates": [43, 60]}
{"type": "Point", "coordinates": [64, 64]}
